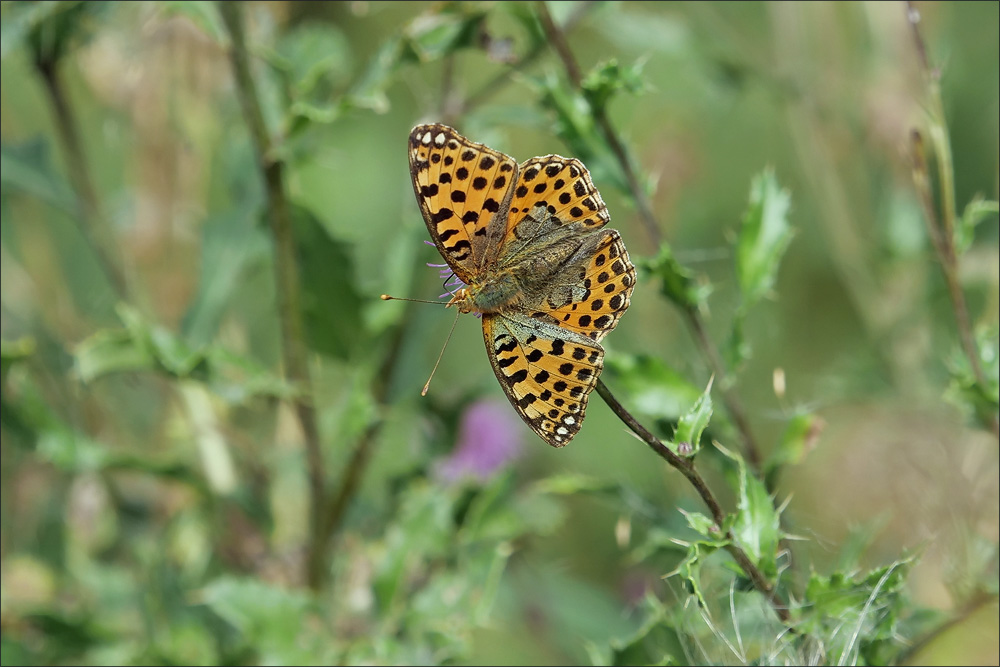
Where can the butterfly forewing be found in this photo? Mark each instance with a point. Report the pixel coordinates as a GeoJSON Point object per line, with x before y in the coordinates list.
{"type": "Point", "coordinates": [459, 185]}
{"type": "Point", "coordinates": [546, 373]}
{"type": "Point", "coordinates": [552, 192]}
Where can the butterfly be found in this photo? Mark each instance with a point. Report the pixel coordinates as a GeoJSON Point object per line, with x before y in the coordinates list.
{"type": "Point", "coordinates": [549, 280]}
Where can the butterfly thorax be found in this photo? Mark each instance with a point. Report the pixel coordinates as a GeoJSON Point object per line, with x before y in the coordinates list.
{"type": "Point", "coordinates": [524, 283]}
{"type": "Point", "coordinates": [493, 295]}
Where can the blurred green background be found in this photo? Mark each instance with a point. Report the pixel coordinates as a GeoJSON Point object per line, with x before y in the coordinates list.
{"type": "Point", "coordinates": [155, 489]}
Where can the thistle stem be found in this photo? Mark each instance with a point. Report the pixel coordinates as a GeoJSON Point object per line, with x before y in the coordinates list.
{"type": "Point", "coordinates": [686, 467]}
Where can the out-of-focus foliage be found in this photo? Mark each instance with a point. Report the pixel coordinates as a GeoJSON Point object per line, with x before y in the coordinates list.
{"type": "Point", "coordinates": [157, 496]}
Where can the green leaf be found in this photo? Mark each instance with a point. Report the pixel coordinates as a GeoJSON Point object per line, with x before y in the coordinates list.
{"type": "Point", "coordinates": [237, 379]}
{"type": "Point", "coordinates": [980, 400]}
{"type": "Point", "coordinates": [143, 346]}
{"type": "Point", "coordinates": [976, 211]}
{"type": "Point", "coordinates": [301, 113]}
{"type": "Point", "coordinates": [527, 17]}
{"type": "Point", "coordinates": [903, 232]}
{"type": "Point", "coordinates": [687, 438]}
{"type": "Point", "coordinates": [369, 91]}
{"type": "Point", "coordinates": [316, 58]}
{"type": "Point", "coordinates": [430, 36]}
{"type": "Point", "coordinates": [701, 524]}
{"type": "Point", "coordinates": [756, 527]}
{"type": "Point", "coordinates": [270, 619]}
{"type": "Point", "coordinates": [14, 351]}
{"type": "Point", "coordinates": [576, 127]}
{"type": "Point", "coordinates": [331, 305]}
{"type": "Point", "coordinates": [171, 352]}
{"type": "Point", "coordinates": [26, 167]}
{"type": "Point", "coordinates": [655, 393]}
{"type": "Point", "coordinates": [314, 63]}
{"type": "Point", "coordinates": [232, 247]}
{"type": "Point", "coordinates": [575, 123]}
{"type": "Point", "coordinates": [110, 351]}
{"type": "Point", "coordinates": [677, 283]}
{"type": "Point", "coordinates": [445, 608]}
{"type": "Point", "coordinates": [62, 445]}
{"type": "Point", "coordinates": [608, 78]}
{"type": "Point", "coordinates": [422, 530]}
{"type": "Point", "coordinates": [976, 573]}
{"type": "Point", "coordinates": [657, 642]}
{"type": "Point", "coordinates": [763, 239]}
{"type": "Point", "coordinates": [434, 36]}
{"type": "Point", "coordinates": [653, 388]}
{"type": "Point", "coordinates": [857, 616]}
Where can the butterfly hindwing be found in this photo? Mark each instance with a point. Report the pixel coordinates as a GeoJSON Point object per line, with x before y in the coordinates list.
{"type": "Point", "coordinates": [599, 290]}
{"type": "Point", "coordinates": [547, 373]}
{"type": "Point", "coordinates": [460, 185]}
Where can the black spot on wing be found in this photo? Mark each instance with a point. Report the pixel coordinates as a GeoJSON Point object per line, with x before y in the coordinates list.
{"type": "Point", "coordinates": [519, 376]}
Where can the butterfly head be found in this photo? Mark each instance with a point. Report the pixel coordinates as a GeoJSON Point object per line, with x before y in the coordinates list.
{"type": "Point", "coordinates": [463, 300]}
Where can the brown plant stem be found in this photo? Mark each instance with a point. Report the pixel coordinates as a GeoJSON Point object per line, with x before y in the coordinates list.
{"type": "Point", "coordinates": [90, 214]}
{"type": "Point", "coordinates": [692, 316]}
{"type": "Point", "coordinates": [293, 346]}
{"type": "Point", "coordinates": [686, 467]}
{"type": "Point", "coordinates": [941, 229]}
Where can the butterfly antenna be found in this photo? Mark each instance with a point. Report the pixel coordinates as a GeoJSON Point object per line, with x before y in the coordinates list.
{"type": "Point", "coordinates": [434, 370]}
{"type": "Point", "coordinates": [386, 297]}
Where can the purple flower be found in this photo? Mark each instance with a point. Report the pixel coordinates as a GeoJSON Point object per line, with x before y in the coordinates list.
{"type": "Point", "coordinates": [489, 439]}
